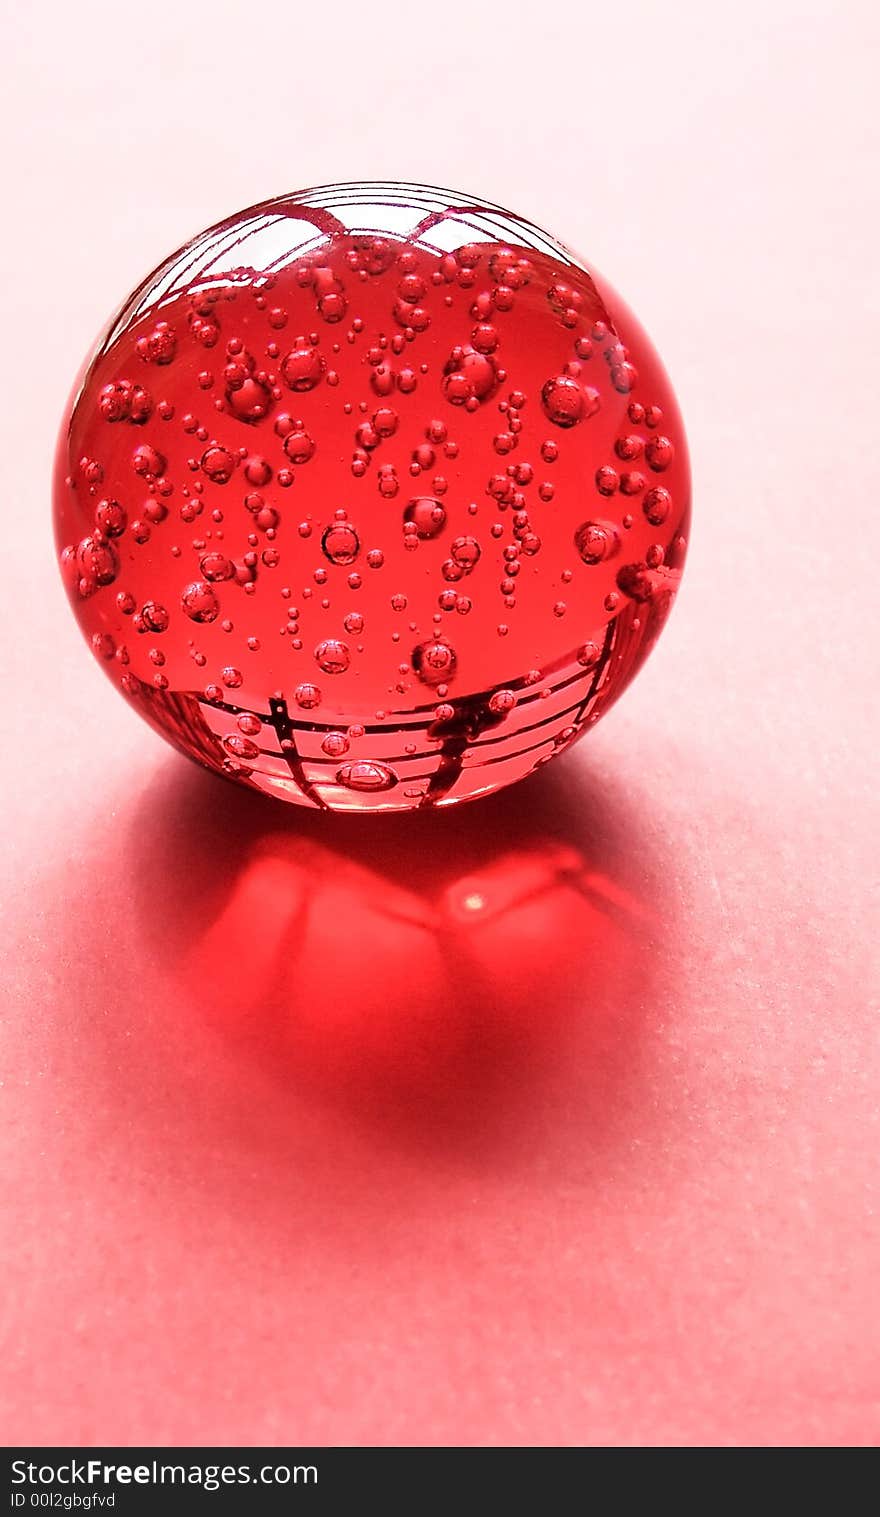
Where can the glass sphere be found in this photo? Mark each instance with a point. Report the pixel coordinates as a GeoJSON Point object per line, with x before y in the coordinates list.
{"type": "Point", "coordinates": [372, 497]}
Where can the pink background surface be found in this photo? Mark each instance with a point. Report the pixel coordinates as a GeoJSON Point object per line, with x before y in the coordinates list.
{"type": "Point", "coordinates": [603, 1165]}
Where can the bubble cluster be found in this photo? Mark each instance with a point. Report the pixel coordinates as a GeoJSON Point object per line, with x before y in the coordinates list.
{"type": "Point", "coordinates": [375, 498]}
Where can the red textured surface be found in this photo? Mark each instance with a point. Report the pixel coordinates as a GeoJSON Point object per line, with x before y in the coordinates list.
{"type": "Point", "coordinates": [552, 1118]}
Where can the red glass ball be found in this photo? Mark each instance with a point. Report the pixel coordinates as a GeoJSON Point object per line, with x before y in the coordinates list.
{"type": "Point", "coordinates": [372, 497]}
